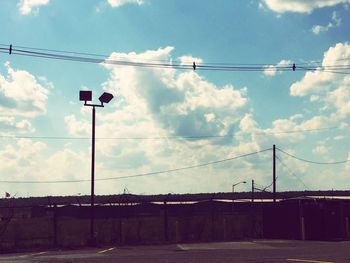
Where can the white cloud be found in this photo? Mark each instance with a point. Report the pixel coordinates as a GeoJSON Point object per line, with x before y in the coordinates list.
{"type": "Point", "coordinates": [318, 82]}
{"type": "Point", "coordinates": [118, 3]}
{"type": "Point", "coordinates": [328, 89]}
{"type": "Point", "coordinates": [77, 128]}
{"type": "Point", "coordinates": [26, 7]}
{"type": "Point", "coordinates": [283, 131]}
{"type": "Point", "coordinates": [21, 94]}
{"type": "Point", "coordinates": [301, 6]}
{"type": "Point", "coordinates": [271, 70]}
{"type": "Point", "coordinates": [26, 160]}
{"type": "Point", "coordinates": [339, 98]}
{"type": "Point", "coordinates": [188, 60]}
{"type": "Point", "coordinates": [156, 102]}
{"type": "Point", "coordinates": [320, 150]}
{"type": "Point", "coordinates": [248, 124]}
{"type": "Point", "coordinates": [177, 101]}
{"type": "Point", "coordinates": [23, 153]}
{"type": "Point", "coordinates": [339, 137]}
{"type": "Point", "coordinates": [9, 124]}
{"type": "Point", "coordinates": [336, 21]}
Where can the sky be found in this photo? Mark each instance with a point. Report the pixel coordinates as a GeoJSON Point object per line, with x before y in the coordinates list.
{"type": "Point", "coordinates": [174, 129]}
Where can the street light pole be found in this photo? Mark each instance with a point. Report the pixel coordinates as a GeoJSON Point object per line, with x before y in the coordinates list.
{"type": "Point", "coordinates": [86, 96]}
{"type": "Point", "coordinates": [92, 197]}
{"type": "Point", "coordinates": [233, 187]}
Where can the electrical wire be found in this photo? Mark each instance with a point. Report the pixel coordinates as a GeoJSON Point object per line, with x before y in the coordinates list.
{"type": "Point", "coordinates": [291, 172]}
{"type": "Point", "coordinates": [159, 137]}
{"type": "Point", "coordinates": [94, 58]}
{"type": "Point", "coordinates": [309, 161]}
{"type": "Point", "coordinates": [136, 175]}
{"type": "Point", "coordinates": [6, 48]}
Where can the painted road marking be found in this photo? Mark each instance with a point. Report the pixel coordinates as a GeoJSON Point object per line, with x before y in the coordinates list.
{"type": "Point", "coordinates": [106, 250]}
{"type": "Point", "coordinates": [32, 255]}
{"type": "Point", "coordinates": [181, 247]}
{"type": "Point", "coordinates": [38, 254]}
{"type": "Point", "coordinates": [224, 245]}
{"type": "Point", "coordinates": [307, 260]}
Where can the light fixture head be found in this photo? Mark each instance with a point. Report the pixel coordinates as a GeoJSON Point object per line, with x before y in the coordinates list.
{"type": "Point", "coordinates": [85, 95]}
{"type": "Point", "coordinates": [105, 97]}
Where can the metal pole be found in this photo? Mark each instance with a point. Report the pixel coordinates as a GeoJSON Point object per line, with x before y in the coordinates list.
{"type": "Point", "coordinates": [252, 190]}
{"type": "Point", "coordinates": [92, 215]}
{"type": "Point", "coordinates": [274, 172]}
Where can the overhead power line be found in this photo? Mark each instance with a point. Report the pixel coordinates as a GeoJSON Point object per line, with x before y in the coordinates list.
{"type": "Point", "coordinates": [135, 175]}
{"type": "Point", "coordinates": [161, 137]}
{"type": "Point", "coordinates": [291, 172]}
{"type": "Point", "coordinates": [95, 58]}
{"type": "Point", "coordinates": [309, 161]}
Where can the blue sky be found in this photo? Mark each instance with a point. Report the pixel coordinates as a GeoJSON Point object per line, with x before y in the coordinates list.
{"type": "Point", "coordinates": [145, 128]}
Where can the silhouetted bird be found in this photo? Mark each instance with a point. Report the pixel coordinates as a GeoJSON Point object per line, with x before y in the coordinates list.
{"type": "Point", "coordinates": [294, 67]}
{"type": "Point", "coordinates": [194, 66]}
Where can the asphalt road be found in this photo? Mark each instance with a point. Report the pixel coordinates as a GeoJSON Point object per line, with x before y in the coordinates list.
{"type": "Point", "coordinates": [253, 251]}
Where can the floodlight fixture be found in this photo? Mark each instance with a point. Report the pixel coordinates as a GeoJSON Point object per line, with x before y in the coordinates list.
{"type": "Point", "coordinates": [105, 97]}
{"type": "Point", "coordinates": [85, 95]}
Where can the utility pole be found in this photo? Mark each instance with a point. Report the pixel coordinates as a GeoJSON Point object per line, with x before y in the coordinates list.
{"type": "Point", "coordinates": [86, 95]}
{"type": "Point", "coordinates": [274, 172]}
{"type": "Point", "coordinates": [92, 196]}
{"type": "Point", "coordinates": [253, 190]}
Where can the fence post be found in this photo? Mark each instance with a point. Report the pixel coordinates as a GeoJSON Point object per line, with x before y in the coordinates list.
{"type": "Point", "coordinates": [166, 238]}
{"type": "Point", "coordinates": [224, 227]}
{"type": "Point", "coordinates": [177, 230]}
{"type": "Point", "coordinates": [302, 220]}
{"type": "Point", "coordinates": [55, 225]}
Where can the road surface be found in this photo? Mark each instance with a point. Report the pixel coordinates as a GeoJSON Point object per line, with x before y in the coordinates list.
{"type": "Point", "coordinates": [248, 251]}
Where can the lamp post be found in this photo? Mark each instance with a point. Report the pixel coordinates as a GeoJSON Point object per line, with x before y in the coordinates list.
{"type": "Point", "coordinates": [233, 186]}
{"type": "Point", "coordinates": [86, 95]}
{"type": "Point", "coordinates": [233, 190]}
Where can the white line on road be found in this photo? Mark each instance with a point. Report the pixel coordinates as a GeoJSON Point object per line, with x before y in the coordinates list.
{"type": "Point", "coordinates": [32, 255]}
{"type": "Point", "coordinates": [106, 250]}
{"type": "Point", "coordinates": [38, 254]}
{"type": "Point", "coordinates": [181, 247]}
{"type": "Point", "coordinates": [307, 260]}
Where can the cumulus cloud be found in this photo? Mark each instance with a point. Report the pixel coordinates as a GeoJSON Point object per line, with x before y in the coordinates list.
{"type": "Point", "coordinates": [340, 99]}
{"type": "Point", "coordinates": [283, 132]}
{"type": "Point", "coordinates": [271, 70]}
{"type": "Point", "coordinates": [118, 3]}
{"type": "Point", "coordinates": [188, 60]}
{"type": "Point", "coordinates": [319, 82]}
{"type": "Point", "coordinates": [27, 160]}
{"type": "Point", "coordinates": [153, 103]}
{"type": "Point", "coordinates": [21, 154]}
{"type": "Point", "coordinates": [248, 124]}
{"type": "Point", "coordinates": [9, 124]}
{"type": "Point", "coordinates": [336, 21]}
{"type": "Point", "coordinates": [26, 7]}
{"type": "Point", "coordinates": [329, 90]}
{"type": "Point", "coordinates": [320, 150]}
{"type": "Point", "coordinates": [300, 6]}
{"type": "Point", "coordinates": [22, 94]}
{"type": "Point", "coordinates": [178, 101]}
{"type": "Point", "coordinates": [156, 109]}
{"type": "Point", "coordinates": [77, 128]}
